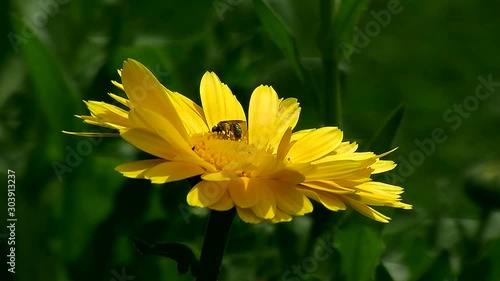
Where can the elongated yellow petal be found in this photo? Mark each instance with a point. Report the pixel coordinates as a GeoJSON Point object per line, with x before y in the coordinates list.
{"type": "Point", "coordinates": [155, 123]}
{"type": "Point", "coordinates": [262, 113]}
{"type": "Point", "coordinates": [150, 143]}
{"type": "Point", "coordinates": [243, 192]}
{"type": "Point", "coordinates": [366, 210]}
{"type": "Point", "coordinates": [337, 169]}
{"type": "Point", "coordinates": [315, 145]}
{"type": "Point", "coordinates": [192, 114]}
{"type": "Point", "coordinates": [284, 145]}
{"type": "Point", "coordinates": [225, 203]}
{"type": "Point", "coordinates": [137, 169]}
{"type": "Point", "coordinates": [121, 100]}
{"type": "Point", "coordinates": [247, 215]}
{"type": "Point", "coordinates": [173, 171]}
{"type": "Point", "coordinates": [281, 216]}
{"type": "Point", "coordinates": [291, 201]}
{"type": "Point", "coordinates": [219, 103]}
{"type": "Point", "coordinates": [382, 166]}
{"type": "Point", "coordinates": [146, 92]}
{"type": "Point", "coordinates": [329, 200]}
{"type": "Point", "coordinates": [300, 134]}
{"type": "Point", "coordinates": [266, 204]}
{"type": "Point", "coordinates": [217, 176]}
{"type": "Point", "coordinates": [118, 85]}
{"type": "Point", "coordinates": [288, 176]}
{"type": "Point", "coordinates": [328, 186]}
{"type": "Point", "coordinates": [206, 193]}
{"type": "Point", "coordinates": [108, 113]}
{"type": "Point", "coordinates": [288, 116]}
{"type": "Point", "coordinates": [92, 135]}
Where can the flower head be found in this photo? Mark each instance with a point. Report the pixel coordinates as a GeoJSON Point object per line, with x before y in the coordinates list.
{"type": "Point", "coordinates": [256, 164]}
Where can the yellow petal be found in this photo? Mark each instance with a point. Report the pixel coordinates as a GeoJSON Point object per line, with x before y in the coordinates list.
{"type": "Point", "coordinates": [151, 121]}
{"type": "Point", "coordinates": [337, 169]}
{"type": "Point", "coordinates": [291, 201]}
{"type": "Point", "coordinates": [288, 176]}
{"type": "Point", "coordinates": [206, 193]}
{"type": "Point", "coordinates": [247, 215]}
{"type": "Point", "coordinates": [281, 217]}
{"type": "Point", "coordinates": [225, 203]}
{"type": "Point", "coordinates": [145, 91]}
{"type": "Point", "coordinates": [150, 143]}
{"type": "Point", "coordinates": [92, 135]}
{"type": "Point", "coordinates": [329, 200]}
{"type": "Point", "coordinates": [288, 116]}
{"type": "Point", "coordinates": [356, 178]}
{"type": "Point", "coordinates": [346, 148]}
{"type": "Point", "coordinates": [366, 210]}
{"type": "Point", "coordinates": [328, 186]}
{"type": "Point", "coordinates": [173, 171]}
{"type": "Point", "coordinates": [382, 166]}
{"type": "Point", "coordinates": [117, 84]}
{"type": "Point", "coordinates": [108, 113]}
{"type": "Point", "coordinates": [284, 145]}
{"type": "Point", "coordinates": [119, 99]}
{"type": "Point", "coordinates": [192, 114]}
{"type": "Point", "coordinates": [92, 120]}
{"type": "Point", "coordinates": [300, 134]}
{"type": "Point", "coordinates": [262, 113]}
{"type": "Point", "coordinates": [266, 203]}
{"type": "Point", "coordinates": [315, 145]}
{"type": "Point", "coordinates": [137, 169]}
{"type": "Point", "coordinates": [243, 192]}
{"type": "Point", "coordinates": [217, 176]}
{"type": "Point", "coordinates": [219, 104]}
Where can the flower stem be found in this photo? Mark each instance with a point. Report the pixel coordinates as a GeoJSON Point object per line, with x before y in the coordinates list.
{"type": "Point", "coordinates": [331, 74]}
{"type": "Point", "coordinates": [214, 245]}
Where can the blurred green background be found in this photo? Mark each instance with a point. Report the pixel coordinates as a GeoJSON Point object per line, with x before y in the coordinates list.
{"type": "Point", "coordinates": [413, 73]}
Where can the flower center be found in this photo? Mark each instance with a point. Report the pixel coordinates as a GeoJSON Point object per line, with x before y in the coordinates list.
{"type": "Point", "coordinates": [236, 156]}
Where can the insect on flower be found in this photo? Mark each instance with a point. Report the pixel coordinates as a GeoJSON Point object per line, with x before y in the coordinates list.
{"type": "Point", "coordinates": [230, 129]}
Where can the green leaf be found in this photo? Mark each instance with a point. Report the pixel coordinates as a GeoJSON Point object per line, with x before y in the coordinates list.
{"type": "Point", "coordinates": [440, 269]}
{"type": "Point", "coordinates": [280, 35]}
{"type": "Point", "coordinates": [382, 140]}
{"type": "Point", "coordinates": [346, 18]}
{"type": "Point", "coordinates": [180, 253]}
{"type": "Point", "coordinates": [56, 98]}
{"type": "Point", "coordinates": [360, 250]}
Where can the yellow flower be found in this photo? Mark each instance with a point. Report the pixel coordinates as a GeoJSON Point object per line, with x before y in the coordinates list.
{"type": "Point", "coordinates": [256, 165]}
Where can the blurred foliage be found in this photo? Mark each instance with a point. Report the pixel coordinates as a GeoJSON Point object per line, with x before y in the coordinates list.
{"type": "Point", "coordinates": [76, 214]}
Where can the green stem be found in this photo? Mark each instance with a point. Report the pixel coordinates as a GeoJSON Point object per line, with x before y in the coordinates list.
{"type": "Point", "coordinates": [331, 75]}
{"type": "Point", "coordinates": [214, 245]}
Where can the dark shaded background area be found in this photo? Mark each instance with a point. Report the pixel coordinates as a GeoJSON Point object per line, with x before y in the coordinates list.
{"type": "Point", "coordinates": [75, 213]}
